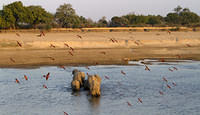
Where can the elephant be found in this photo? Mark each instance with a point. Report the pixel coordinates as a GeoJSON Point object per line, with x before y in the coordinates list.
{"type": "Point", "coordinates": [95, 88]}
{"type": "Point", "coordinates": [75, 84]}
{"type": "Point", "coordinates": [79, 76]}
{"type": "Point", "coordinates": [93, 83]}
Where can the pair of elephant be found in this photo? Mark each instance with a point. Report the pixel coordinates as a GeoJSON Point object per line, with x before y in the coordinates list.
{"type": "Point", "coordinates": [93, 83]}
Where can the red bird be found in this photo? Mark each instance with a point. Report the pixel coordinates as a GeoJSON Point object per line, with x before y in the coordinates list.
{"type": "Point", "coordinates": [25, 77]}
{"type": "Point", "coordinates": [178, 56]}
{"type": "Point", "coordinates": [174, 84]}
{"type": "Point", "coordinates": [19, 44]}
{"type": "Point", "coordinates": [162, 60]}
{"type": "Point", "coordinates": [87, 67]}
{"type": "Point", "coordinates": [18, 34]}
{"type": "Point", "coordinates": [79, 36]}
{"type": "Point", "coordinates": [17, 81]}
{"type": "Point", "coordinates": [47, 76]}
{"type": "Point", "coordinates": [63, 67]}
{"type": "Point", "coordinates": [129, 104]}
{"type": "Point", "coordinates": [44, 86]}
{"type": "Point", "coordinates": [164, 79]}
{"type": "Point", "coordinates": [169, 86]}
{"type": "Point", "coordinates": [66, 44]}
{"type": "Point", "coordinates": [65, 113]}
{"type": "Point", "coordinates": [188, 45]}
{"type": "Point", "coordinates": [123, 72]}
{"type": "Point", "coordinates": [42, 33]}
{"type": "Point", "coordinates": [170, 69]}
{"type": "Point", "coordinates": [71, 53]}
{"type": "Point", "coordinates": [169, 32]}
{"type": "Point", "coordinates": [161, 93]}
{"type": "Point", "coordinates": [52, 46]}
{"type": "Point", "coordinates": [115, 40]}
{"type": "Point", "coordinates": [11, 59]}
{"type": "Point", "coordinates": [106, 77]}
{"type": "Point", "coordinates": [103, 53]}
{"type": "Point", "coordinates": [175, 68]}
{"type": "Point", "coordinates": [140, 100]}
{"type": "Point", "coordinates": [136, 43]}
{"type": "Point", "coordinates": [147, 68]}
{"type": "Point", "coordinates": [51, 58]}
{"type": "Point", "coordinates": [71, 48]}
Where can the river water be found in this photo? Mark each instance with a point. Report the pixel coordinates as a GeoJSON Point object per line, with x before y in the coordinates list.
{"type": "Point", "coordinates": [30, 98]}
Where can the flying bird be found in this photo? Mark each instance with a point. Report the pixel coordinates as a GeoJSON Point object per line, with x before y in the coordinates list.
{"type": "Point", "coordinates": [25, 77]}
{"type": "Point", "coordinates": [169, 32]}
{"type": "Point", "coordinates": [47, 76]}
{"type": "Point", "coordinates": [19, 44]}
{"type": "Point", "coordinates": [44, 86]}
{"type": "Point", "coordinates": [161, 93]}
{"type": "Point", "coordinates": [175, 68]}
{"type": "Point", "coordinates": [174, 84]}
{"type": "Point", "coordinates": [70, 53]}
{"type": "Point", "coordinates": [65, 113]}
{"type": "Point", "coordinates": [17, 81]}
{"type": "Point", "coordinates": [164, 79]}
{"type": "Point", "coordinates": [122, 72]}
{"type": "Point", "coordinates": [103, 52]}
{"type": "Point", "coordinates": [71, 48]}
{"type": "Point", "coordinates": [147, 68]}
{"type": "Point", "coordinates": [140, 100]}
{"type": "Point", "coordinates": [129, 104]}
{"type": "Point", "coordinates": [52, 46]}
{"type": "Point", "coordinates": [66, 44]}
{"type": "Point", "coordinates": [169, 86]}
{"type": "Point", "coordinates": [170, 69]}
{"type": "Point", "coordinates": [51, 58]}
{"type": "Point", "coordinates": [136, 43]}
{"type": "Point", "coordinates": [63, 67]}
{"type": "Point", "coordinates": [79, 36]}
{"type": "Point", "coordinates": [188, 45]}
{"type": "Point", "coordinates": [11, 59]}
{"type": "Point", "coordinates": [18, 34]}
{"type": "Point", "coordinates": [87, 67]}
{"type": "Point", "coordinates": [42, 33]}
{"type": "Point", "coordinates": [106, 77]}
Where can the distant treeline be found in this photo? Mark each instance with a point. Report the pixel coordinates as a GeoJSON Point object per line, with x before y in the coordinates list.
{"type": "Point", "coordinates": [16, 15]}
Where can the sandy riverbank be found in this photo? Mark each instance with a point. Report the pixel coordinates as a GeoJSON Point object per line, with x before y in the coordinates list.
{"type": "Point", "coordinates": [95, 47]}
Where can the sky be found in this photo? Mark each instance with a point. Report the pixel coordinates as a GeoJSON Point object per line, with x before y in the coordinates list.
{"type": "Point", "coordinates": [95, 9]}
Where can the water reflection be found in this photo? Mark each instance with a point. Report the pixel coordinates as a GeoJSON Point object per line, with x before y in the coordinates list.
{"type": "Point", "coordinates": [94, 104]}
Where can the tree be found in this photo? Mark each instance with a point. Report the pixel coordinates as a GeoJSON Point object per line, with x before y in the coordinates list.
{"type": "Point", "coordinates": [154, 20]}
{"type": "Point", "coordinates": [188, 18]}
{"type": "Point", "coordinates": [118, 22]}
{"type": "Point", "coordinates": [18, 11]}
{"type": "Point", "coordinates": [103, 22]}
{"type": "Point", "coordinates": [66, 16]}
{"type": "Point", "coordinates": [8, 17]}
{"type": "Point", "coordinates": [140, 19]}
{"type": "Point", "coordinates": [38, 15]}
{"type": "Point", "coordinates": [130, 18]}
{"type": "Point", "coordinates": [173, 18]}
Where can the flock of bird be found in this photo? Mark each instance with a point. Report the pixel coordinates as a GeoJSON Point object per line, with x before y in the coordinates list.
{"type": "Point", "coordinates": [71, 52]}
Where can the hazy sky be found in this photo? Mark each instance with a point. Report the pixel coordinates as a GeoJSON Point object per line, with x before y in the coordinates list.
{"type": "Point", "coordinates": [95, 9]}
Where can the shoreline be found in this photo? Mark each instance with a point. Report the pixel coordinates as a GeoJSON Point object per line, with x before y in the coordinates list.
{"type": "Point", "coordinates": [95, 48]}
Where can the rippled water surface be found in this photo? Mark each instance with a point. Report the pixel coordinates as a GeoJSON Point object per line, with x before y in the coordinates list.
{"type": "Point", "coordinates": [30, 98]}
